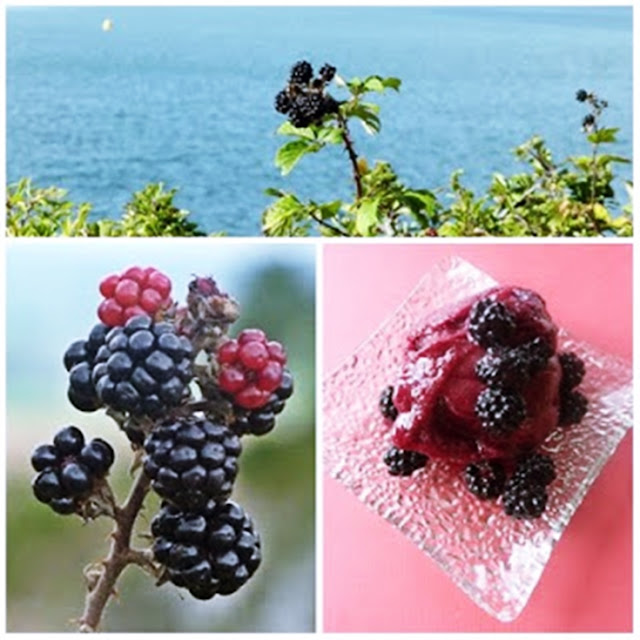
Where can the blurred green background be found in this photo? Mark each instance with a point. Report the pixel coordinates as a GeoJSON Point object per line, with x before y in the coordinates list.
{"type": "Point", "coordinates": [52, 296]}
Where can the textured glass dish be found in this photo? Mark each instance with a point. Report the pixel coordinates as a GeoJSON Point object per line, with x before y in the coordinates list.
{"type": "Point", "coordinates": [496, 560]}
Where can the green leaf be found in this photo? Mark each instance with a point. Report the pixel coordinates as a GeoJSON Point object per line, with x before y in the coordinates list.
{"type": "Point", "coordinates": [374, 83]}
{"type": "Point", "coordinates": [603, 135]}
{"type": "Point", "coordinates": [287, 129]}
{"type": "Point", "coordinates": [330, 135]}
{"type": "Point", "coordinates": [366, 216]}
{"type": "Point", "coordinates": [392, 83]}
{"type": "Point", "coordinates": [606, 158]}
{"type": "Point", "coordinates": [290, 154]}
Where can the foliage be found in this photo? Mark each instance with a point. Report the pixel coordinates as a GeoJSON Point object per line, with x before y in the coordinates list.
{"type": "Point", "coordinates": [37, 211]}
{"type": "Point", "coordinates": [573, 197]}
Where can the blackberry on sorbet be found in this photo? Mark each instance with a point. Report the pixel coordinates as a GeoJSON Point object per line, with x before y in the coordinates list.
{"type": "Point", "coordinates": [485, 479]}
{"type": "Point", "coordinates": [535, 468]}
{"type": "Point", "coordinates": [572, 370]}
{"type": "Point", "coordinates": [491, 324]}
{"type": "Point", "coordinates": [501, 411]}
{"type": "Point", "coordinates": [385, 404]}
{"type": "Point", "coordinates": [403, 463]}
{"type": "Point", "coordinates": [191, 461]}
{"type": "Point", "coordinates": [524, 500]}
{"type": "Point", "coordinates": [573, 407]}
{"type": "Point", "coordinates": [210, 551]}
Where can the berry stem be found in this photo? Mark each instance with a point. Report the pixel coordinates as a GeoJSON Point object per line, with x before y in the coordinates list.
{"type": "Point", "coordinates": [120, 555]}
{"type": "Point", "coordinates": [353, 156]}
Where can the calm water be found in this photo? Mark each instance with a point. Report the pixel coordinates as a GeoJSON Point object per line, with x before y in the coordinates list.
{"type": "Point", "coordinates": [184, 95]}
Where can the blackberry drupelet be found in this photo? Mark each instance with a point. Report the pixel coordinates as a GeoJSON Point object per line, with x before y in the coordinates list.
{"type": "Point", "coordinates": [491, 324]}
{"type": "Point", "coordinates": [403, 463]}
{"type": "Point", "coordinates": [191, 461]}
{"type": "Point", "coordinates": [327, 72]}
{"type": "Point", "coordinates": [485, 479]}
{"type": "Point", "coordinates": [78, 361]}
{"type": "Point", "coordinates": [143, 368]}
{"type": "Point", "coordinates": [581, 95]}
{"type": "Point", "coordinates": [211, 551]}
{"type": "Point", "coordinates": [301, 73]}
{"type": "Point", "coordinates": [282, 102]}
{"type": "Point", "coordinates": [573, 407]}
{"type": "Point", "coordinates": [385, 404]}
{"type": "Point", "coordinates": [572, 370]}
{"type": "Point", "coordinates": [524, 500]}
{"type": "Point", "coordinates": [501, 411]}
{"type": "Point", "coordinates": [535, 468]}
{"type": "Point", "coordinates": [68, 469]}
{"type": "Point", "coordinates": [261, 421]}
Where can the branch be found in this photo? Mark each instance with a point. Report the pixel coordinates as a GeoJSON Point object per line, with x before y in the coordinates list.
{"type": "Point", "coordinates": [120, 555]}
{"type": "Point", "coordinates": [328, 225]}
{"type": "Point", "coordinates": [353, 156]}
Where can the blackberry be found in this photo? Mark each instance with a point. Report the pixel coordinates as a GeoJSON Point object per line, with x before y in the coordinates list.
{"type": "Point", "coordinates": [301, 72]}
{"type": "Point", "coordinates": [588, 121]}
{"type": "Point", "coordinates": [330, 106]}
{"type": "Point", "coordinates": [581, 95]}
{"type": "Point", "coordinates": [68, 469]}
{"type": "Point", "coordinates": [297, 118]}
{"type": "Point", "coordinates": [523, 500]}
{"type": "Point", "coordinates": [403, 463]}
{"type": "Point", "coordinates": [211, 551]}
{"type": "Point", "coordinates": [78, 361]}
{"type": "Point", "coordinates": [282, 102]}
{"type": "Point", "coordinates": [385, 404]}
{"type": "Point", "coordinates": [535, 468]}
{"type": "Point", "coordinates": [573, 407]}
{"type": "Point", "coordinates": [512, 368]}
{"type": "Point", "coordinates": [572, 370]}
{"type": "Point", "coordinates": [501, 411]}
{"type": "Point", "coordinates": [485, 479]}
{"type": "Point", "coordinates": [263, 420]}
{"type": "Point", "coordinates": [327, 72]}
{"type": "Point", "coordinates": [191, 461]}
{"type": "Point", "coordinates": [491, 324]}
{"type": "Point", "coordinates": [143, 368]}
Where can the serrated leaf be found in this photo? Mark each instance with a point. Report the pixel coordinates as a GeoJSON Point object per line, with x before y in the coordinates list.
{"type": "Point", "coordinates": [366, 216]}
{"type": "Point", "coordinates": [603, 135]}
{"type": "Point", "coordinates": [291, 153]}
{"type": "Point", "coordinates": [287, 129]}
{"type": "Point", "coordinates": [330, 135]}
{"type": "Point", "coordinates": [374, 83]}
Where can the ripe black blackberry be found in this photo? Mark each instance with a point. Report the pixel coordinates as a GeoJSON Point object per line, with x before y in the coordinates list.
{"type": "Point", "coordinates": [211, 551]}
{"type": "Point", "coordinates": [501, 411]}
{"type": "Point", "coordinates": [573, 407]}
{"type": "Point", "coordinates": [588, 121]}
{"type": "Point", "coordinates": [191, 461]}
{"type": "Point", "coordinates": [297, 117]}
{"type": "Point", "coordinates": [524, 500]}
{"type": "Point", "coordinates": [330, 106]}
{"type": "Point", "coordinates": [327, 72]}
{"type": "Point", "coordinates": [68, 469]}
{"type": "Point", "coordinates": [572, 370]}
{"type": "Point", "coordinates": [263, 420]}
{"type": "Point", "coordinates": [301, 73]}
{"type": "Point", "coordinates": [385, 404]}
{"type": "Point", "coordinates": [581, 95]}
{"type": "Point", "coordinates": [535, 468]}
{"type": "Point", "coordinates": [282, 102]}
{"type": "Point", "coordinates": [143, 368]}
{"type": "Point", "coordinates": [491, 324]}
{"type": "Point", "coordinates": [403, 463]}
{"type": "Point", "coordinates": [78, 361]}
{"type": "Point", "coordinates": [485, 479]}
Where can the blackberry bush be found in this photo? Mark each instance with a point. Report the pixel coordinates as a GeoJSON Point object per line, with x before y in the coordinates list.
{"type": "Point", "coordinates": [183, 392]}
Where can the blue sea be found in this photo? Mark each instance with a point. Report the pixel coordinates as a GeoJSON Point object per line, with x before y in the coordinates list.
{"type": "Point", "coordinates": [185, 95]}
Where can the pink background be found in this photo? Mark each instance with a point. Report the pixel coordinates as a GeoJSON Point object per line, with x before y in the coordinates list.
{"type": "Point", "coordinates": [374, 578]}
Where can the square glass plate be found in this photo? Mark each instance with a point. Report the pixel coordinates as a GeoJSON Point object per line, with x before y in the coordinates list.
{"type": "Point", "coordinates": [496, 560]}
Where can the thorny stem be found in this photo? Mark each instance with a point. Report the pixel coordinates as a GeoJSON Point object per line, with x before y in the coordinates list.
{"type": "Point", "coordinates": [120, 555]}
{"type": "Point", "coordinates": [353, 156]}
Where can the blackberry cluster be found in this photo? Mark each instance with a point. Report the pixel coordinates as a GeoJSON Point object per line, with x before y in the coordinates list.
{"type": "Point", "coordinates": [491, 324]}
{"type": "Point", "coordinates": [78, 361]}
{"type": "Point", "coordinates": [69, 469]}
{"type": "Point", "coordinates": [485, 479]}
{"type": "Point", "coordinates": [191, 461]}
{"type": "Point", "coordinates": [304, 99]}
{"type": "Point", "coordinates": [525, 494]}
{"type": "Point", "coordinates": [143, 368]}
{"type": "Point", "coordinates": [501, 411]}
{"type": "Point", "coordinates": [403, 463]}
{"type": "Point", "coordinates": [385, 404]}
{"type": "Point", "coordinates": [213, 550]}
{"type": "Point", "coordinates": [573, 404]}
{"type": "Point", "coordinates": [261, 421]}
